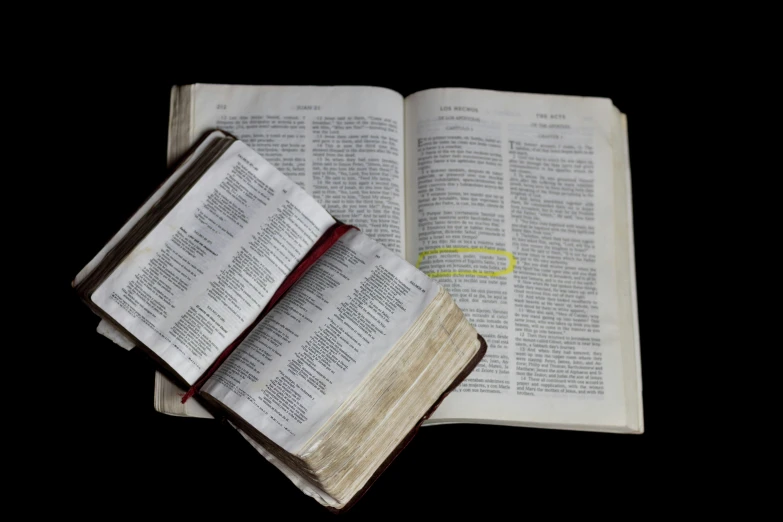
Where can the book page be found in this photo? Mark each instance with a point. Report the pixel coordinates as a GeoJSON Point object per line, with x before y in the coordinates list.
{"type": "Point", "coordinates": [511, 207]}
{"type": "Point", "coordinates": [343, 145]}
{"type": "Point", "coordinates": [207, 270]}
{"type": "Point", "coordinates": [304, 358]}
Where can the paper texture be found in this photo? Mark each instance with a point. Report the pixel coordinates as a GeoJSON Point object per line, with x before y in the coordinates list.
{"type": "Point", "coordinates": [343, 145]}
{"type": "Point", "coordinates": [510, 201]}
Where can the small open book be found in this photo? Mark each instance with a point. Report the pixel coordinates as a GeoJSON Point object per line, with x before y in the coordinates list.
{"type": "Point", "coordinates": [324, 348]}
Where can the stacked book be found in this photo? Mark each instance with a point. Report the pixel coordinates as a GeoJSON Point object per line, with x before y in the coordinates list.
{"type": "Point", "coordinates": [325, 265]}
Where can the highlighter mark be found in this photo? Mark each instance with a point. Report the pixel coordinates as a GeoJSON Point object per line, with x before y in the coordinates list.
{"type": "Point", "coordinates": [458, 250]}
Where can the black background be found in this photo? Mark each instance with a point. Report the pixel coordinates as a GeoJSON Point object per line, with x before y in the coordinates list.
{"type": "Point", "coordinates": [112, 449]}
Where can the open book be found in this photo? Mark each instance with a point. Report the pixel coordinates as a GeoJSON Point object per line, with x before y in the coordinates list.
{"type": "Point", "coordinates": [323, 347]}
{"type": "Point", "coordinates": [518, 204]}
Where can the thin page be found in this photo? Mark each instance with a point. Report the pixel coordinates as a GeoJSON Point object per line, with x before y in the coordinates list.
{"type": "Point", "coordinates": [206, 271]}
{"type": "Point", "coordinates": [343, 145]}
{"type": "Point", "coordinates": [168, 400]}
{"type": "Point", "coordinates": [511, 207]}
{"type": "Point", "coordinates": [313, 349]}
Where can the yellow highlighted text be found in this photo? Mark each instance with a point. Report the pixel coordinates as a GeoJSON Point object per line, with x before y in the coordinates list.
{"type": "Point", "coordinates": [458, 250]}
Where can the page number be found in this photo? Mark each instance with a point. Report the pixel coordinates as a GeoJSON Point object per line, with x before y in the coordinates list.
{"type": "Point", "coordinates": [221, 106]}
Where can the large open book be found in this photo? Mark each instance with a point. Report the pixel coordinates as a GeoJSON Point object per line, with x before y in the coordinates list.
{"type": "Point", "coordinates": [323, 347]}
{"type": "Point", "coordinates": [518, 204]}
